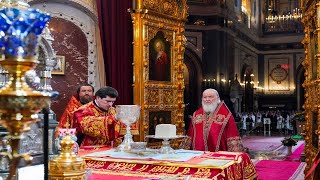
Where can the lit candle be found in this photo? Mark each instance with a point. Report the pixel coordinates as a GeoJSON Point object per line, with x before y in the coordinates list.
{"type": "Point", "coordinates": [205, 83]}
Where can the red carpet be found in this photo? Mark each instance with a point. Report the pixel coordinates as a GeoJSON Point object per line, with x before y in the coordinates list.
{"type": "Point", "coordinates": [280, 170]}
{"type": "Point", "coordinates": [295, 156]}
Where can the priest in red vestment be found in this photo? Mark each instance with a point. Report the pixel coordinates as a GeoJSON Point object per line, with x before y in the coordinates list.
{"type": "Point", "coordinates": [213, 127]}
{"type": "Point", "coordinates": [84, 95]}
{"type": "Point", "coordinates": [96, 120]}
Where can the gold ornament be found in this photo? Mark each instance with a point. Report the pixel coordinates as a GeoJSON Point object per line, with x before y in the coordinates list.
{"type": "Point", "coordinates": [67, 166]}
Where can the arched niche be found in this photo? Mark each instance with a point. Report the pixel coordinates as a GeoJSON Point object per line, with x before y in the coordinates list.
{"type": "Point", "coordinates": [47, 60]}
{"type": "Point", "coordinates": [47, 55]}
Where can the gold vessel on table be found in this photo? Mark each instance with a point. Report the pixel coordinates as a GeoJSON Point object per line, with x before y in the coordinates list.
{"type": "Point", "coordinates": [67, 165]}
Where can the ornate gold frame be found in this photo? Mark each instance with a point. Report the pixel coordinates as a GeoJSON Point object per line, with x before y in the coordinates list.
{"type": "Point", "coordinates": [311, 21]}
{"type": "Point", "coordinates": [149, 17]}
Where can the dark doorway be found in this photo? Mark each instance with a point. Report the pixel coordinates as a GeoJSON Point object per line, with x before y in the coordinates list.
{"type": "Point", "coordinates": [193, 86]}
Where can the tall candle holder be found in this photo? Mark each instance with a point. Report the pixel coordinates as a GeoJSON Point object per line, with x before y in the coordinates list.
{"type": "Point", "coordinates": [19, 104]}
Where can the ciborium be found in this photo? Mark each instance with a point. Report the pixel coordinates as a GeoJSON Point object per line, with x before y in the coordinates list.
{"type": "Point", "coordinates": [19, 104]}
{"type": "Point", "coordinates": [127, 114]}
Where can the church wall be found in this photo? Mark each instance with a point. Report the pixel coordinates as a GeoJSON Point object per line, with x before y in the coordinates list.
{"type": "Point", "coordinates": [211, 54]}
{"type": "Point", "coordinates": [70, 42]}
{"type": "Point", "coordinates": [234, 54]}
{"type": "Point", "coordinates": [246, 56]}
{"type": "Point", "coordinates": [229, 45]}
{"type": "Point", "coordinates": [215, 56]}
{"type": "Point", "coordinates": [281, 94]}
{"type": "Point", "coordinates": [74, 32]}
{"type": "Point", "coordinates": [261, 69]}
{"type": "Point", "coordinates": [218, 61]}
{"type": "Point", "coordinates": [193, 61]}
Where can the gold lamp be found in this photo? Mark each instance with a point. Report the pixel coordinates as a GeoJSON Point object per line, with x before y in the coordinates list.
{"type": "Point", "coordinates": [67, 165]}
{"type": "Point", "coordinates": [19, 32]}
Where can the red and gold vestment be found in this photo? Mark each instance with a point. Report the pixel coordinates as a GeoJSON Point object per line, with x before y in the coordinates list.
{"type": "Point", "coordinates": [216, 131]}
{"type": "Point", "coordinates": [66, 120]}
{"type": "Point", "coordinates": [99, 127]}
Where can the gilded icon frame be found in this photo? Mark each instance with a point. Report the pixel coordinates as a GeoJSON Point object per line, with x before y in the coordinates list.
{"type": "Point", "coordinates": [162, 24]}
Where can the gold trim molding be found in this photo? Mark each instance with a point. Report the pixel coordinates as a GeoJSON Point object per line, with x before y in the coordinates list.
{"type": "Point", "coordinates": [159, 88]}
{"type": "Point", "coordinates": [311, 22]}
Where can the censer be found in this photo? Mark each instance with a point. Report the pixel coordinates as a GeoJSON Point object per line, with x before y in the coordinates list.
{"type": "Point", "coordinates": [20, 29]}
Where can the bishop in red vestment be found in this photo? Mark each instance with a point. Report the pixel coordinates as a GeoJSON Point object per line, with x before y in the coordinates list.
{"type": "Point", "coordinates": [213, 127]}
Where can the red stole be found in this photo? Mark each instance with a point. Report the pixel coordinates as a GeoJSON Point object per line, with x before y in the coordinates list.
{"type": "Point", "coordinates": [214, 132]}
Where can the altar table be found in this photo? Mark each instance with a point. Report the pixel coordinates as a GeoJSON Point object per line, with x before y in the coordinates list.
{"type": "Point", "coordinates": [210, 165]}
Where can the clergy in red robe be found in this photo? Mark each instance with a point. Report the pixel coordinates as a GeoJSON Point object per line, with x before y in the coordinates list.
{"type": "Point", "coordinates": [83, 96]}
{"type": "Point", "coordinates": [213, 127]}
{"type": "Point", "coordinates": [96, 120]}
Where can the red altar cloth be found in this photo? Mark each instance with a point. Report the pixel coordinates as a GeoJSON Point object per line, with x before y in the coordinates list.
{"type": "Point", "coordinates": [239, 167]}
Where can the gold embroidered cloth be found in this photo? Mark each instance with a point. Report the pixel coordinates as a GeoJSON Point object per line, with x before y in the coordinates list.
{"type": "Point", "coordinates": [66, 120]}
{"type": "Point", "coordinates": [241, 167]}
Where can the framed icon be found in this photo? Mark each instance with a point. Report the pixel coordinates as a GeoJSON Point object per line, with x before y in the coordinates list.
{"type": "Point", "coordinates": [59, 68]}
{"type": "Point", "coordinates": [159, 58]}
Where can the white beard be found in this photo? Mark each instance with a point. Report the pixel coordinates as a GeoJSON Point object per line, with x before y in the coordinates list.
{"type": "Point", "coordinates": [210, 108]}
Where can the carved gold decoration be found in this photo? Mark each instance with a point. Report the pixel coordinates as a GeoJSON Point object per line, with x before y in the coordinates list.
{"type": "Point", "coordinates": [311, 15]}
{"type": "Point", "coordinates": [67, 166]}
{"type": "Point", "coordinates": [152, 96]}
{"type": "Point", "coordinates": [168, 97]}
{"type": "Point", "coordinates": [151, 17]}
{"type": "Point", "coordinates": [173, 8]}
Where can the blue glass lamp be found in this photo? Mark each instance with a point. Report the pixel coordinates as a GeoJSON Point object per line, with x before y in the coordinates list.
{"type": "Point", "coordinates": [20, 29]}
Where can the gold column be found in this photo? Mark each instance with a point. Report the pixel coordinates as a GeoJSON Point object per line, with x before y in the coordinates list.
{"type": "Point", "coordinates": [311, 42]}
{"type": "Point", "coordinates": [151, 18]}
